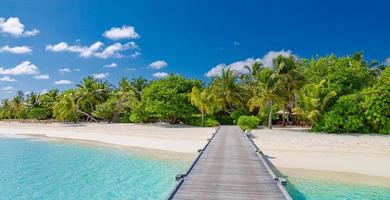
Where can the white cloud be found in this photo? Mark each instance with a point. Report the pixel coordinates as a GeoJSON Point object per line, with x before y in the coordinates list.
{"type": "Point", "coordinates": [239, 66]}
{"type": "Point", "coordinates": [160, 74]}
{"type": "Point", "coordinates": [100, 75]}
{"type": "Point", "coordinates": [135, 54]}
{"type": "Point", "coordinates": [159, 64]}
{"type": "Point", "coordinates": [131, 69]}
{"type": "Point", "coordinates": [268, 58]}
{"type": "Point", "coordinates": [24, 68]}
{"type": "Point", "coordinates": [95, 49]}
{"type": "Point", "coordinates": [63, 82]}
{"type": "Point", "coordinates": [387, 61]}
{"type": "Point", "coordinates": [42, 77]}
{"type": "Point", "coordinates": [124, 32]}
{"type": "Point", "coordinates": [7, 79]}
{"type": "Point", "coordinates": [77, 70]}
{"type": "Point", "coordinates": [12, 26]}
{"type": "Point", "coordinates": [16, 49]}
{"type": "Point", "coordinates": [236, 43]}
{"type": "Point", "coordinates": [64, 70]}
{"type": "Point", "coordinates": [7, 89]}
{"type": "Point", "coordinates": [112, 65]}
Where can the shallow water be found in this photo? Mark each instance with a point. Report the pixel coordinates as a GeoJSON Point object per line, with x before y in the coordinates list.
{"type": "Point", "coordinates": [37, 169]}
{"type": "Point", "coordinates": [310, 189]}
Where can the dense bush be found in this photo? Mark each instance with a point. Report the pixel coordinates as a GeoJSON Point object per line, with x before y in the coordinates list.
{"type": "Point", "coordinates": [38, 113]}
{"type": "Point", "coordinates": [248, 122]}
{"type": "Point", "coordinates": [237, 114]}
{"type": "Point", "coordinates": [224, 119]}
{"type": "Point", "coordinates": [197, 121]}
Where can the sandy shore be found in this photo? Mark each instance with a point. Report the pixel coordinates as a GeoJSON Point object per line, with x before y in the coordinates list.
{"type": "Point", "coordinates": [296, 148]}
{"type": "Point", "coordinates": [165, 137]}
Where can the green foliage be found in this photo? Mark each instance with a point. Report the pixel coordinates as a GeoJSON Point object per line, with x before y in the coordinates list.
{"type": "Point", "coordinates": [106, 111]}
{"type": "Point", "coordinates": [197, 121]}
{"type": "Point", "coordinates": [38, 113]}
{"type": "Point", "coordinates": [226, 91]}
{"type": "Point", "coordinates": [248, 122]}
{"type": "Point", "coordinates": [344, 75]}
{"type": "Point", "coordinates": [135, 118]}
{"type": "Point", "coordinates": [224, 119]}
{"type": "Point", "coordinates": [237, 114]}
{"type": "Point", "coordinates": [167, 98]}
{"type": "Point", "coordinates": [333, 94]}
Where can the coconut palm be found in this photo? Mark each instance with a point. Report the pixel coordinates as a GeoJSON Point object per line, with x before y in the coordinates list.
{"type": "Point", "coordinates": [291, 79]}
{"type": "Point", "coordinates": [266, 92]}
{"type": "Point", "coordinates": [310, 105]}
{"type": "Point", "coordinates": [203, 100]}
{"type": "Point", "coordinates": [226, 91]}
{"type": "Point", "coordinates": [91, 92]}
{"type": "Point", "coordinates": [48, 100]}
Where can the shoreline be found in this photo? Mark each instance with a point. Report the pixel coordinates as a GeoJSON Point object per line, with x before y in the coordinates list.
{"type": "Point", "coordinates": [297, 148]}
{"type": "Point", "coordinates": [160, 137]}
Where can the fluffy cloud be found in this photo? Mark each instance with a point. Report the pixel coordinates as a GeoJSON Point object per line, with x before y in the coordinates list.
{"type": "Point", "coordinates": [42, 77]}
{"type": "Point", "coordinates": [24, 68]}
{"type": "Point", "coordinates": [159, 64]}
{"type": "Point", "coordinates": [268, 58]}
{"type": "Point", "coordinates": [135, 54]}
{"type": "Point", "coordinates": [112, 65]}
{"type": "Point", "coordinates": [100, 75]}
{"type": "Point", "coordinates": [95, 49]}
{"type": "Point", "coordinates": [239, 66]}
{"type": "Point", "coordinates": [63, 82]}
{"type": "Point", "coordinates": [16, 49]}
{"type": "Point", "coordinates": [7, 79]}
{"type": "Point", "coordinates": [12, 26]}
{"type": "Point", "coordinates": [160, 74]}
{"type": "Point", "coordinates": [64, 70]}
{"type": "Point", "coordinates": [124, 32]}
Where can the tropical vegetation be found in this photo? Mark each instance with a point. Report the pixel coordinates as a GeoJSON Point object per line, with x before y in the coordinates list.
{"type": "Point", "coordinates": [332, 94]}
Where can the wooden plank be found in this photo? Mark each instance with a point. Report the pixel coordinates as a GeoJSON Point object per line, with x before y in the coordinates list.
{"type": "Point", "coordinates": [229, 167]}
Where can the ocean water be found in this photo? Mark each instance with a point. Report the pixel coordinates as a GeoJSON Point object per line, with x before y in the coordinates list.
{"type": "Point", "coordinates": [309, 189]}
{"type": "Point", "coordinates": [37, 169]}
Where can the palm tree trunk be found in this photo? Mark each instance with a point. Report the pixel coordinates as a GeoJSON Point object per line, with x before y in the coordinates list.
{"type": "Point", "coordinates": [202, 115]}
{"type": "Point", "coordinates": [270, 115]}
{"type": "Point", "coordinates": [283, 116]}
{"type": "Point", "coordinates": [86, 114]}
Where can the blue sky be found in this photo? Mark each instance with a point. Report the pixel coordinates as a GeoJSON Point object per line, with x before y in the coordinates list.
{"type": "Point", "coordinates": [48, 44]}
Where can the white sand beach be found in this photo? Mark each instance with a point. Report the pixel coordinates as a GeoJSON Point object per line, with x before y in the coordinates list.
{"type": "Point", "coordinates": [294, 149]}
{"type": "Point", "coordinates": [165, 137]}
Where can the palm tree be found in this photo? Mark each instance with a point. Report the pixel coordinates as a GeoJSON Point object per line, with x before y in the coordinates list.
{"type": "Point", "coordinates": [139, 84]}
{"type": "Point", "coordinates": [310, 105]}
{"type": "Point", "coordinates": [202, 100]}
{"type": "Point", "coordinates": [48, 100]}
{"type": "Point", "coordinates": [226, 90]}
{"type": "Point", "coordinates": [266, 92]}
{"type": "Point", "coordinates": [91, 92]}
{"type": "Point", "coordinates": [65, 108]}
{"type": "Point", "coordinates": [291, 79]}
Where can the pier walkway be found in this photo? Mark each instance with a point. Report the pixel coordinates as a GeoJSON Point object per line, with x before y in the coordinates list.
{"type": "Point", "coordinates": [229, 167]}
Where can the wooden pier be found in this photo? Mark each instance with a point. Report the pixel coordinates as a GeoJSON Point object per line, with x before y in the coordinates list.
{"type": "Point", "coordinates": [229, 167]}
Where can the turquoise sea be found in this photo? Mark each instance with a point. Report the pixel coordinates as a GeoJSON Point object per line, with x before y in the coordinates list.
{"type": "Point", "coordinates": [40, 169]}
{"type": "Point", "coordinates": [310, 189]}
